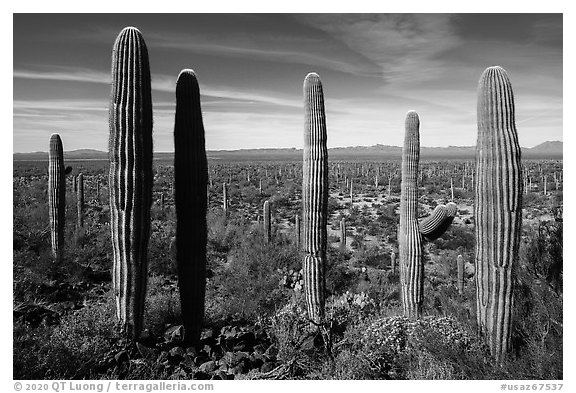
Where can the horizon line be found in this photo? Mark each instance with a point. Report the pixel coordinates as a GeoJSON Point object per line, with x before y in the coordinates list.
{"type": "Point", "coordinates": [289, 148]}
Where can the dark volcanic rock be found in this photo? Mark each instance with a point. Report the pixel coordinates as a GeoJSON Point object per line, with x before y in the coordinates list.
{"type": "Point", "coordinates": [121, 357]}
{"type": "Point", "coordinates": [267, 367]}
{"type": "Point", "coordinates": [208, 366]}
{"type": "Point", "coordinates": [174, 334]}
{"type": "Point", "coordinates": [201, 375]}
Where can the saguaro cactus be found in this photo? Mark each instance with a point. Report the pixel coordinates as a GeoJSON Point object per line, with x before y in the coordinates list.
{"type": "Point", "coordinates": [411, 233]}
{"type": "Point", "coordinates": [343, 234]}
{"type": "Point", "coordinates": [351, 193]}
{"type": "Point", "coordinates": [460, 267]}
{"type": "Point", "coordinates": [267, 223]}
{"type": "Point", "coordinates": [497, 207]}
{"type": "Point", "coordinates": [297, 231]}
{"type": "Point", "coordinates": [80, 200]}
{"type": "Point", "coordinates": [130, 176]}
{"type": "Point", "coordinates": [314, 197]}
{"type": "Point", "coordinates": [56, 196]}
{"type": "Point", "coordinates": [393, 261]}
{"type": "Point", "coordinates": [409, 239]}
{"type": "Point", "coordinates": [225, 197]}
{"type": "Point", "coordinates": [191, 179]}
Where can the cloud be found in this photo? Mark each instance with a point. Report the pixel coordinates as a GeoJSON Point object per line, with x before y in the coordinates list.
{"type": "Point", "coordinates": [270, 48]}
{"type": "Point", "coordinates": [161, 83]}
{"type": "Point", "coordinates": [65, 74]}
{"type": "Point", "coordinates": [407, 47]}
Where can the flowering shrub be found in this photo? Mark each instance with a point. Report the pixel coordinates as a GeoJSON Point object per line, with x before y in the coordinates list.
{"type": "Point", "coordinates": [394, 333]}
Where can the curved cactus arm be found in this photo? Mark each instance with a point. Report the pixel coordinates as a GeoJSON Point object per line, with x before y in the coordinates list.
{"type": "Point", "coordinates": [437, 223]}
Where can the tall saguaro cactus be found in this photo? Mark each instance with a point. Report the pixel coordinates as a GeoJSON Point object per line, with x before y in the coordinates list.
{"type": "Point", "coordinates": [225, 198]}
{"type": "Point", "coordinates": [409, 239]}
{"type": "Point", "coordinates": [314, 197]}
{"type": "Point", "coordinates": [411, 233]}
{"type": "Point", "coordinates": [497, 208]}
{"type": "Point", "coordinates": [343, 234]}
{"type": "Point", "coordinates": [267, 222]}
{"type": "Point", "coordinates": [56, 196]}
{"type": "Point", "coordinates": [191, 179]}
{"type": "Point", "coordinates": [460, 278]}
{"type": "Point", "coordinates": [130, 177]}
{"type": "Point", "coordinates": [80, 200]}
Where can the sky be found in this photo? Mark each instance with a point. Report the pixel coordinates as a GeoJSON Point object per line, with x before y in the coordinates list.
{"type": "Point", "coordinates": [374, 68]}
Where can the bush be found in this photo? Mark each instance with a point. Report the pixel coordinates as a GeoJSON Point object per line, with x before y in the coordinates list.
{"type": "Point", "coordinates": [70, 350]}
{"type": "Point", "coordinates": [248, 285]}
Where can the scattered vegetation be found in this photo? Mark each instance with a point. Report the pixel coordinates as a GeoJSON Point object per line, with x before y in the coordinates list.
{"type": "Point", "coordinates": [255, 325]}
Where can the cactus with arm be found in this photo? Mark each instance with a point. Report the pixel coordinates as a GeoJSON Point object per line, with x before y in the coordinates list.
{"type": "Point", "coordinates": [411, 233]}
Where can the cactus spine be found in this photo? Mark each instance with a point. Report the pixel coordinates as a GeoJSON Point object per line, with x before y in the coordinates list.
{"type": "Point", "coordinates": [56, 196]}
{"type": "Point", "coordinates": [190, 181]}
{"type": "Point", "coordinates": [80, 200]}
{"type": "Point", "coordinates": [497, 208]}
{"type": "Point", "coordinates": [267, 223]}
{"type": "Point", "coordinates": [460, 266]}
{"type": "Point", "coordinates": [409, 239]}
{"type": "Point", "coordinates": [130, 176]}
{"type": "Point", "coordinates": [314, 197]}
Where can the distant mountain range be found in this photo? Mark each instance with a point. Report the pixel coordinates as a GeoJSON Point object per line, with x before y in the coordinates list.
{"type": "Point", "coordinates": [546, 150]}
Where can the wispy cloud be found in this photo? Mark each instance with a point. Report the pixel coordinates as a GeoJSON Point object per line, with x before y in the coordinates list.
{"type": "Point", "coordinates": [162, 83]}
{"type": "Point", "coordinates": [407, 47]}
{"type": "Point", "coordinates": [64, 74]}
{"type": "Point", "coordinates": [271, 49]}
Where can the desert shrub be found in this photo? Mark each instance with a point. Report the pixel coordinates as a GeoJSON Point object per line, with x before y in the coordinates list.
{"type": "Point", "coordinates": [537, 334]}
{"type": "Point", "coordinates": [162, 304]}
{"type": "Point", "coordinates": [542, 254]}
{"type": "Point", "coordinates": [224, 232]}
{"type": "Point", "coordinates": [456, 237]}
{"type": "Point", "coordinates": [290, 326]}
{"type": "Point", "coordinates": [70, 350]}
{"type": "Point", "coordinates": [374, 256]}
{"type": "Point", "coordinates": [400, 348]}
{"type": "Point", "coordinates": [249, 284]}
{"type": "Point", "coordinates": [339, 278]}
